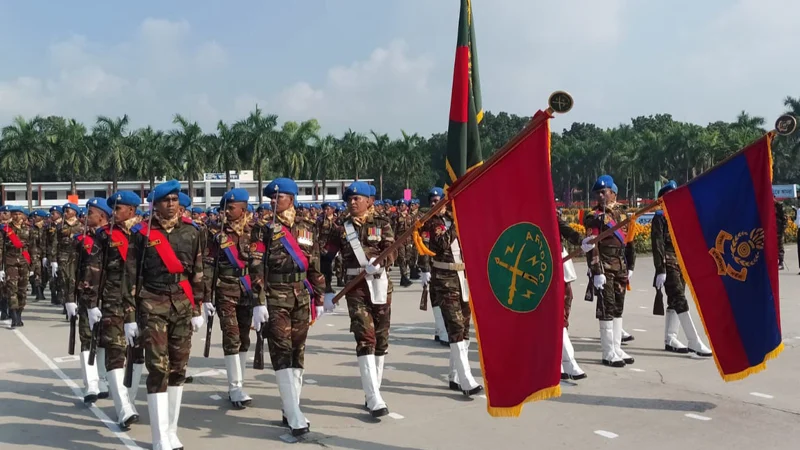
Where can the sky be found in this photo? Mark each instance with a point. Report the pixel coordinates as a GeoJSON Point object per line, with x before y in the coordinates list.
{"type": "Point", "coordinates": [388, 65]}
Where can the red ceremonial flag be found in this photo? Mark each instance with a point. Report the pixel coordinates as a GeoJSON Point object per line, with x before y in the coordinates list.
{"type": "Point", "coordinates": [512, 254]}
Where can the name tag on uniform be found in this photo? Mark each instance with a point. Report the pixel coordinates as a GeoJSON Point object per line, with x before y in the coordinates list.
{"type": "Point", "coordinates": [374, 234]}
{"type": "Point", "coordinates": [277, 236]}
{"type": "Point", "coordinates": [115, 244]}
{"type": "Point", "coordinates": [227, 244]}
{"type": "Point", "coordinates": [154, 242]}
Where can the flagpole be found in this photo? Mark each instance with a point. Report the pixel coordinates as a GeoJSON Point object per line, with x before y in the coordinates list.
{"type": "Point", "coordinates": [784, 126]}
{"type": "Point", "coordinates": [559, 102]}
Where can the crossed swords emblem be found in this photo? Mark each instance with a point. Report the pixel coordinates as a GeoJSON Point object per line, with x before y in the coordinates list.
{"type": "Point", "coordinates": [515, 272]}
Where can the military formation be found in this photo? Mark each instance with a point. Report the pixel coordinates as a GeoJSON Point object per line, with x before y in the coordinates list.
{"type": "Point", "coordinates": [138, 283]}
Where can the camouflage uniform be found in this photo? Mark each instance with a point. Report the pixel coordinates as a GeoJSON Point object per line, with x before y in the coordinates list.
{"type": "Point", "coordinates": [284, 288]}
{"type": "Point", "coordinates": [163, 307]}
{"type": "Point", "coordinates": [64, 252]}
{"type": "Point", "coordinates": [85, 249]}
{"type": "Point", "coordinates": [17, 267]}
{"type": "Point", "coordinates": [38, 233]}
{"type": "Point", "coordinates": [401, 222]}
{"type": "Point", "coordinates": [574, 238]}
{"type": "Point", "coordinates": [326, 226]}
{"type": "Point", "coordinates": [413, 259]}
{"type": "Point", "coordinates": [780, 223]}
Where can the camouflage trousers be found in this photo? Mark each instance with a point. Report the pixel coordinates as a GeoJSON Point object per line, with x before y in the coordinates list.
{"type": "Point", "coordinates": [65, 283]}
{"type": "Point", "coordinates": [675, 287]}
{"type": "Point", "coordinates": [567, 303]}
{"type": "Point", "coordinates": [413, 258]}
{"type": "Point", "coordinates": [84, 332]}
{"type": "Point", "coordinates": [287, 329]}
{"type": "Point", "coordinates": [404, 259]}
{"type": "Point", "coordinates": [455, 312]}
{"type": "Point", "coordinates": [15, 289]}
{"type": "Point", "coordinates": [167, 336]}
{"type": "Point", "coordinates": [36, 268]}
{"type": "Point", "coordinates": [234, 321]}
{"type": "Point", "coordinates": [781, 251]}
{"type": "Point", "coordinates": [326, 267]}
{"type": "Point", "coordinates": [369, 323]}
{"type": "Point", "coordinates": [612, 299]}
{"type": "Point", "coordinates": [112, 336]}
{"type": "Point", "coordinates": [338, 266]}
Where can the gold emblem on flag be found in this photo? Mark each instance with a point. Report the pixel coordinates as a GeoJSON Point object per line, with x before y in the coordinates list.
{"type": "Point", "coordinates": [744, 251]}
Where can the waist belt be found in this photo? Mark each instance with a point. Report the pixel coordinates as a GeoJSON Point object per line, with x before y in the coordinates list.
{"type": "Point", "coordinates": [167, 279]}
{"type": "Point", "coordinates": [286, 277]}
{"type": "Point", "coordinates": [231, 272]}
{"type": "Point", "coordinates": [449, 266]}
{"type": "Point", "coordinates": [612, 251]}
{"type": "Point", "coordinates": [355, 272]}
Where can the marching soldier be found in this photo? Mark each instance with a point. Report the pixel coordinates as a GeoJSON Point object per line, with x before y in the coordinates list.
{"type": "Point", "coordinates": [403, 221]}
{"type": "Point", "coordinates": [103, 278]}
{"type": "Point", "coordinates": [5, 217]}
{"type": "Point", "coordinates": [289, 286]}
{"type": "Point", "coordinates": [38, 234]}
{"type": "Point", "coordinates": [780, 223]}
{"type": "Point", "coordinates": [166, 253]}
{"type": "Point", "coordinates": [440, 332]}
{"type": "Point", "coordinates": [611, 265]}
{"type": "Point", "coordinates": [414, 259]}
{"type": "Point", "coordinates": [64, 253]}
{"type": "Point", "coordinates": [230, 250]}
{"type": "Point", "coordinates": [363, 236]}
{"type": "Point", "coordinates": [449, 287]}
{"type": "Point", "coordinates": [56, 213]}
{"type": "Point", "coordinates": [16, 260]}
{"type": "Point", "coordinates": [326, 226]}
{"type": "Point", "coordinates": [669, 276]}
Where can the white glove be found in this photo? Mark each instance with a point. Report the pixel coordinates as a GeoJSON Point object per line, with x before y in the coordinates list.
{"type": "Point", "coordinates": [329, 306]}
{"type": "Point", "coordinates": [587, 246]}
{"type": "Point", "coordinates": [320, 311]}
{"type": "Point", "coordinates": [372, 268]}
{"type": "Point", "coordinates": [54, 269]}
{"type": "Point", "coordinates": [2, 276]}
{"type": "Point", "coordinates": [131, 331]}
{"type": "Point", "coordinates": [30, 274]}
{"type": "Point", "coordinates": [72, 309]}
{"type": "Point", "coordinates": [197, 322]}
{"type": "Point", "coordinates": [44, 262]}
{"type": "Point", "coordinates": [660, 279]}
{"type": "Point", "coordinates": [630, 275]}
{"type": "Point", "coordinates": [208, 309]}
{"type": "Point", "coordinates": [94, 316]}
{"type": "Point", "coordinates": [425, 277]}
{"type": "Point", "coordinates": [599, 281]}
{"type": "Point", "coordinates": [260, 316]}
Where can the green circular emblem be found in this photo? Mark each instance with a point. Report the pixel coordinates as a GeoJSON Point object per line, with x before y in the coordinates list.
{"type": "Point", "coordinates": [520, 267]}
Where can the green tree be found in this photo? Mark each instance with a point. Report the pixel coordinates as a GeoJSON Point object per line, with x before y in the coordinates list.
{"type": "Point", "coordinates": [23, 149]}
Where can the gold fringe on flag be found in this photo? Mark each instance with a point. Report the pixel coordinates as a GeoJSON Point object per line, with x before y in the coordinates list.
{"type": "Point", "coordinates": [422, 249]}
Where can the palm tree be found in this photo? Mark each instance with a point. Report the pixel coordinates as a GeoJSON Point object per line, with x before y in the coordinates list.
{"type": "Point", "coordinates": [190, 146]}
{"type": "Point", "coordinates": [296, 139]}
{"type": "Point", "coordinates": [70, 147]}
{"type": "Point", "coordinates": [223, 150]}
{"type": "Point", "coordinates": [111, 136]}
{"type": "Point", "coordinates": [260, 142]}
{"type": "Point", "coordinates": [151, 154]}
{"type": "Point", "coordinates": [323, 159]}
{"type": "Point", "coordinates": [381, 156]}
{"type": "Point", "coordinates": [356, 150]}
{"type": "Point", "coordinates": [23, 149]}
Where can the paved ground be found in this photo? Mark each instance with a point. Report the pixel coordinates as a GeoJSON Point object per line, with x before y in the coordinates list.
{"type": "Point", "coordinates": [664, 401]}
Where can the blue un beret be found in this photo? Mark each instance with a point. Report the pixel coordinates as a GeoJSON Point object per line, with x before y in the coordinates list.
{"type": "Point", "coordinates": [128, 198]}
{"type": "Point", "coordinates": [250, 208]}
{"type": "Point", "coordinates": [13, 208]}
{"type": "Point", "coordinates": [184, 200]}
{"type": "Point", "coordinates": [282, 185]}
{"type": "Point", "coordinates": [164, 189]}
{"type": "Point", "coordinates": [4, 208]}
{"type": "Point", "coordinates": [40, 213]}
{"type": "Point", "coordinates": [325, 205]}
{"type": "Point", "coordinates": [234, 196]}
{"type": "Point", "coordinates": [99, 203]}
{"type": "Point", "coordinates": [436, 192]}
{"type": "Point", "coordinates": [264, 206]}
{"type": "Point", "coordinates": [373, 191]}
{"type": "Point", "coordinates": [82, 211]}
{"type": "Point", "coordinates": [71, 206]}
{"type": "Point", "coordinates": [197, 210]}
{"type": "Point", "coordinates": [667, 187]}
{"type": "Point", "coordinates": [57, 209]}
{"type": "Point", "coordinates": [604, 181]}
{"type": "Point", "coordinates": [357, 188]}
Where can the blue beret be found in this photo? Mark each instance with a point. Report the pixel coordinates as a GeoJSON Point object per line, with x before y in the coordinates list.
{"type": "Point", "coordinates": [82, 211]}
{"type": "Point", "coordinates": [265, 206]}
{"type": "Point", "coordinates": [315, 205]}
{"type": "Point", "coordinates": [373, 191]}
{"type": "Point", "coordinates": [325, 205]}
{"type": "Point", "coordinates": [282, 185]}
{"type": "Point", "coordinates": [250, 208]}
{"type": "Point", "coordinates": [13, 208]}
{"type": "Point", "coordinates": [71, 206]}
{"type": "Point", "coordinates": [357, 188]}
{"type": "Point", "coordinates": [164, 189]}
{"type": "Point", "coordinates": [604, 181]}
{"type": "Point", "coordinates": [128, 198]}
{"type": "Point", "coordinates": [415, 201]}
{"type": "Point", "coordinates": [4, 208]}
{"type": "Point", "coordinates": [401, 202]}
{"type": "Point", "coordinates": [197, 210]}
{"type": "Point", "coordinates": [138, 212]}
{"type": "Point", "coordinates": [40, 213]}
{"type": "Point", "coordinates": [436, 192]}
{"type": "Point", "coordinates": [667, 187]}
{"type": "Point", "coordinates": [184, 200]}
{"type": "Point", "coordinates": [234, 196]}
{"type": "Point", "coordinates": [57, 209]}
{"type": "Point", "coordinates": [215, 210]}
{"type": "Point", "coordinates": [101, 204]}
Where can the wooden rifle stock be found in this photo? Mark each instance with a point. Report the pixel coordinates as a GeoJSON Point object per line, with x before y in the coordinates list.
{"type": "Point", "coordinates": [258, 360]}
{"type": "Point", "coordinates": [423, 301]}
{"type": "Point", "coordinates": [73, 325]}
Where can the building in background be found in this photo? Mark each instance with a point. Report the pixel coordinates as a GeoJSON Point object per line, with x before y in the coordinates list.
{"type": "Point", "coordinates": [207, 192]}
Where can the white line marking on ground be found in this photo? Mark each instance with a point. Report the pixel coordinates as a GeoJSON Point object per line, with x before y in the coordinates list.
{"type": "Point", "coordinates": [481, 396]}
{"type": "Point", "coordinates": [63, 359]}
{"type": "Point", "coordinates": [640, 330]}
{"type": "Point", "coordinates": [203, 339]}
{"type": "Point", "coordinates": [697, 416]}
{"type": "Point", "coordinates": [310, 381]}
{"type": "Point", "coordinates": [643, 307]}
{"type": "Point", "coordinates": [215, 397]}
{"type": "Point", "coordinates": [396, 416]}
{"type": "Point", "coordinates": [637, 370]}
{"type": "Point", "coordinates": [606, 434]}
{"type": "Point", "coordinates": [329, 324]}
{"type": "Point", "coordinates": [759, 394]}
{"type": "Point", "coordinates": [210, 373]}
{"type": "Point", "coordinates": [113, 427]}
{"type": "Point", "coordinates": [641, 290]}
{"type": "Point", "coordinates": [586, 339]}
{"type": "Point", "coordinates": [390, 368]}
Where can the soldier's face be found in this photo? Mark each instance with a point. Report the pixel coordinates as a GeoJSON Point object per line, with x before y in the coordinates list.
{"type": "Point", "coordinates": [54, 216]}
{"type": "Point", "coordinates": [70, 213]}
{"type": "Point", "coordinates": [95, 217]}
{"type": "Point", "coordinates": [357, 204]}
{"type": "Point", "coordinates": [168, 206]}
{"type": "Point", "coordinates": [606, 196]}
{"type": "Point", "coordinates": [234, 211]}
{"type": "Point", "coordinates": [329, 211]}
{"type": "Point", "coordinates": [17, 216]}
{"type": "Point", "coordinates": [282, 202]}
{"type": "Point", "coordinates": [123, 213]}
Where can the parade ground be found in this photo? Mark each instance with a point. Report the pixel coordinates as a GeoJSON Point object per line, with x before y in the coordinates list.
{"type": "Point", "coordinates": [663, 401]}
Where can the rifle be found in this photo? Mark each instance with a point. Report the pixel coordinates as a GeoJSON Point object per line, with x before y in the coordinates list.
{"type": "Point", "coordinates": [423, 301]}
{"type": "Point", "coordinates": [136, 353]}
{"type": "Point", "coordinates": [658, 304]}
{"type": "Point", "coordinates": [258, 359]}
{"type": "Point", "coordinates": [103, 278]}
{"type": "Point", "coordinates": [214, 278]}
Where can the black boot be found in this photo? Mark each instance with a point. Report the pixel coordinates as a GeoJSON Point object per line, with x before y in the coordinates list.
{"type": "Point", "coordinates": [339, 282]}
{"type": "Point", "coordinates": [4, 309]}
{"type": "Point", "coordinates": [54, 296]}
{"type": "Point", "coordinates": [20, 323]}
{"type": "Point", "coordinates": [405, 282]}
{"type": "Point", "coordinates": [39, 291]}
{"type": "Point", "coordinates": [14, 321]}
{"type": "Point", "coordinates": [415, 273]}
